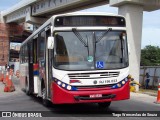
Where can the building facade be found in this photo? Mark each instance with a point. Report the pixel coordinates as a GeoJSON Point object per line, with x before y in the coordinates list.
{"type": "Point", "coordinates": [4, 44]}
{"type": "Point", "coordinates": [8, 33]}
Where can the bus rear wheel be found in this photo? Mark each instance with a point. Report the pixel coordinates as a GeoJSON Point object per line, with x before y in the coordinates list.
{"type": "Point", "coordinates": [104, 105]}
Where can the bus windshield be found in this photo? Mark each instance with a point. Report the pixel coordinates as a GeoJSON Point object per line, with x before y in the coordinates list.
{"type": "Point", "coordinates": [90, 50]}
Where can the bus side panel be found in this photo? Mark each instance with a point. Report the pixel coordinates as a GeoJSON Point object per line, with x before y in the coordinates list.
{"type": "Point", "coordinates": [62, 96]}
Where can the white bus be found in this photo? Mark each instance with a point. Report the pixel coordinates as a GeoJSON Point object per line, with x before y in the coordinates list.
{"type": "Point", "coordinates": [77, 58]}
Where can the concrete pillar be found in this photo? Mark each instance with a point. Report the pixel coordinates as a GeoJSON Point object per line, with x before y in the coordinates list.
{"type": "Point", "coordinates": [0, 17]}
{"type": "Point", "coordinates": [35, 20]}
{"type": "Point", "coordinates": [4, 45]}
{"type": "Point", "coordinates": [134, 17]}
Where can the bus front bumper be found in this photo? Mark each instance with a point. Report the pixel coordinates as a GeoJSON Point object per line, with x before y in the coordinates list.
{"type": "Point", "coordinates": [62, 96]}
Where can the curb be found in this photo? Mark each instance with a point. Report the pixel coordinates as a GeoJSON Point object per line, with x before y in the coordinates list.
{"type": "Point", "coordinates": [149, 93]}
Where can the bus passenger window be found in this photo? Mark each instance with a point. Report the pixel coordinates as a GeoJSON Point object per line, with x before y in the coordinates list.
{"type": "Point", "coordinates": [41, 45]}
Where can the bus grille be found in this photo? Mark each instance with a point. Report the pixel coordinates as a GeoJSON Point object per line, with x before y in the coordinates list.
{"type": "Point", "coordinates": [94, 88]}
{"type": "Point", "coordinates": [93, 75]}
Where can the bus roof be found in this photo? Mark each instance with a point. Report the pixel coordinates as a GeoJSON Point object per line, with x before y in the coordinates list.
{"type": "Point", "coordinates": [88, 13]}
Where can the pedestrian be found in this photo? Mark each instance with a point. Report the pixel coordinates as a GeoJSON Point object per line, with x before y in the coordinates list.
{"type": "Point", "coordinates": [147, 81]}
{"type": "Point", "coordinates": [12, 67]}
{"type": "Point", "coordinates": [6, 67]}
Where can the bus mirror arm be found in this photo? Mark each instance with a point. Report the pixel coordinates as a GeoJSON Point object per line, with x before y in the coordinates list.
{"type": "Point", "coordinates": [50, 43]}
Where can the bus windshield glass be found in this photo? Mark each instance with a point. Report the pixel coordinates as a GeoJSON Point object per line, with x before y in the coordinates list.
{"type": "Point", "coordinates": [90, 50]}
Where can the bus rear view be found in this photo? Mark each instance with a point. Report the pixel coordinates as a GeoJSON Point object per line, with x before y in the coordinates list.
{"type": "Point", "coordinates": [86, 61]}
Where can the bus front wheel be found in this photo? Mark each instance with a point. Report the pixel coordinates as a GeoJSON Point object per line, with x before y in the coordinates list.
{"type": "Point", "coordinates": [45, 101]}
{"type": "Point", "coordinates": [27, 87]}
{"type": "Point", "coordinates": [104, 105]}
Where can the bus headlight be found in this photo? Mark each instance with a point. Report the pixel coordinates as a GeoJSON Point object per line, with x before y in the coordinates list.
{"type": "Point", "coordinates": [120, 84]}
{"type": "Point", "coordinates": [59, 82]}
{"type": "Point", "coordinates": [65, 85]}
{"type": "Point", "coordinates": [69, 87]}
{"type": "Point", "coordinates": [126, 79]}
{"type": "Point", "coordinates": [123, 82]}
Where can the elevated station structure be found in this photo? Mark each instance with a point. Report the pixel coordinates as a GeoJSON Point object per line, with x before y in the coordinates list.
{"type": "Point", "coordinates": [8, 33]}
{"type": "Point", "coordinates": [132, 10]}
{"type": "Point", "coordinates": [38, 11]}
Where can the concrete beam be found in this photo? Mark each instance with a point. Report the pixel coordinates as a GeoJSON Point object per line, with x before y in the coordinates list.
{"type": "Point", "coordinates": [148, 5]}
{"type": "Point", "coordinates": [46, 8]}
{"type": "Point", "coordinates": [17, 15]}
{"type": "Point", "coordinates": [51, 7]}
{"type": "Point", "coordinates": [18, 6]}
{"type": "Point", "coordinates": [34, 20]}
{"type": "Point", "coordinates": [134, 16]}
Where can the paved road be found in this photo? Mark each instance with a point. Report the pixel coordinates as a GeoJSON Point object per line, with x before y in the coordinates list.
{"type": "Point", "coordinates": [19, 101]}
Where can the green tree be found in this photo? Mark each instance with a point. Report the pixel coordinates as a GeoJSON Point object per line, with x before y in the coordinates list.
{"type": "Point", "coordinates": [150, 56]}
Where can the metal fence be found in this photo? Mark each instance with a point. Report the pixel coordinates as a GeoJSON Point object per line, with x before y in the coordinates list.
{"type": "Point", "coordinates": [154, 72]}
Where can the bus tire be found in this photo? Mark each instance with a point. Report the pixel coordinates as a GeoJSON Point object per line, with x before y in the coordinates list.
{"type": "Point", "coordinates": [45, 101]}
{"type": "Point", "coordinates": [104, 105]}
{"type": "Point", "coordinates": [27, 87]}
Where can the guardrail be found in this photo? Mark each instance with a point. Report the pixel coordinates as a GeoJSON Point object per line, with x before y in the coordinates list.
{"type": "Point", "coordinates": [154, 73]}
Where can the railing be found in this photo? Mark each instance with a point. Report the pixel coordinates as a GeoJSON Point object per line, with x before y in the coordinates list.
{"type": "Point", "coordinates": [154, 72]}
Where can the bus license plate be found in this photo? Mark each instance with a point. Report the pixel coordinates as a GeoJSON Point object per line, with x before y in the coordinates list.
{"type": "Point", "coordinates": [95, 96]}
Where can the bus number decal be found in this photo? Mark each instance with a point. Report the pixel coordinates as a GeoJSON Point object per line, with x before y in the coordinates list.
{"type": "Point", "coordinates": [107, 81]}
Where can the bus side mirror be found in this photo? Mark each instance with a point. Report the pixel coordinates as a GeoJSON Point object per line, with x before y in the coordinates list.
{"type": "Point", "coordinates": [129, 49]}
{"type": "Point", "coordinates": [50, 43]}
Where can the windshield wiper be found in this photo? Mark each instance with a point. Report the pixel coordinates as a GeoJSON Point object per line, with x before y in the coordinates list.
{"type": "Point", "coordinates": [94, 39]}
{"type": "Point", "coordinates": [79, 37]}
{"type": "Point", "coordinates": [100, 38]}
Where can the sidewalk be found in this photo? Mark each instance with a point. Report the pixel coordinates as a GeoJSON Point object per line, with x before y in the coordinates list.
{"type": "Point", "coordinates": [149, 92]}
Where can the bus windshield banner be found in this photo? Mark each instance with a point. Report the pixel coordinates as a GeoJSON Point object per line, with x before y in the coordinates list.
{"type": "Point", "coordinates": [112, 21]}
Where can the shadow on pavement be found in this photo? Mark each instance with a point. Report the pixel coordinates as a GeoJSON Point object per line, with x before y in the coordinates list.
{"type": "Point", "coordinates": [91, 109]}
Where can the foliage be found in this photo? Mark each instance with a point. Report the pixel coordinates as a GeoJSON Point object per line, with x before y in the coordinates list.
{"type": "Point", "coordinates": [150, 56]}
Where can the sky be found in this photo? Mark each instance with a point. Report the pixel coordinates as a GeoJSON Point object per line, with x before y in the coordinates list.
{"type": "Point", "coordinates": [151, 24]}
{"type": "Point", "coordinates": [4, 4]}
{"type": "Point", "coordinates": [151, 21]}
